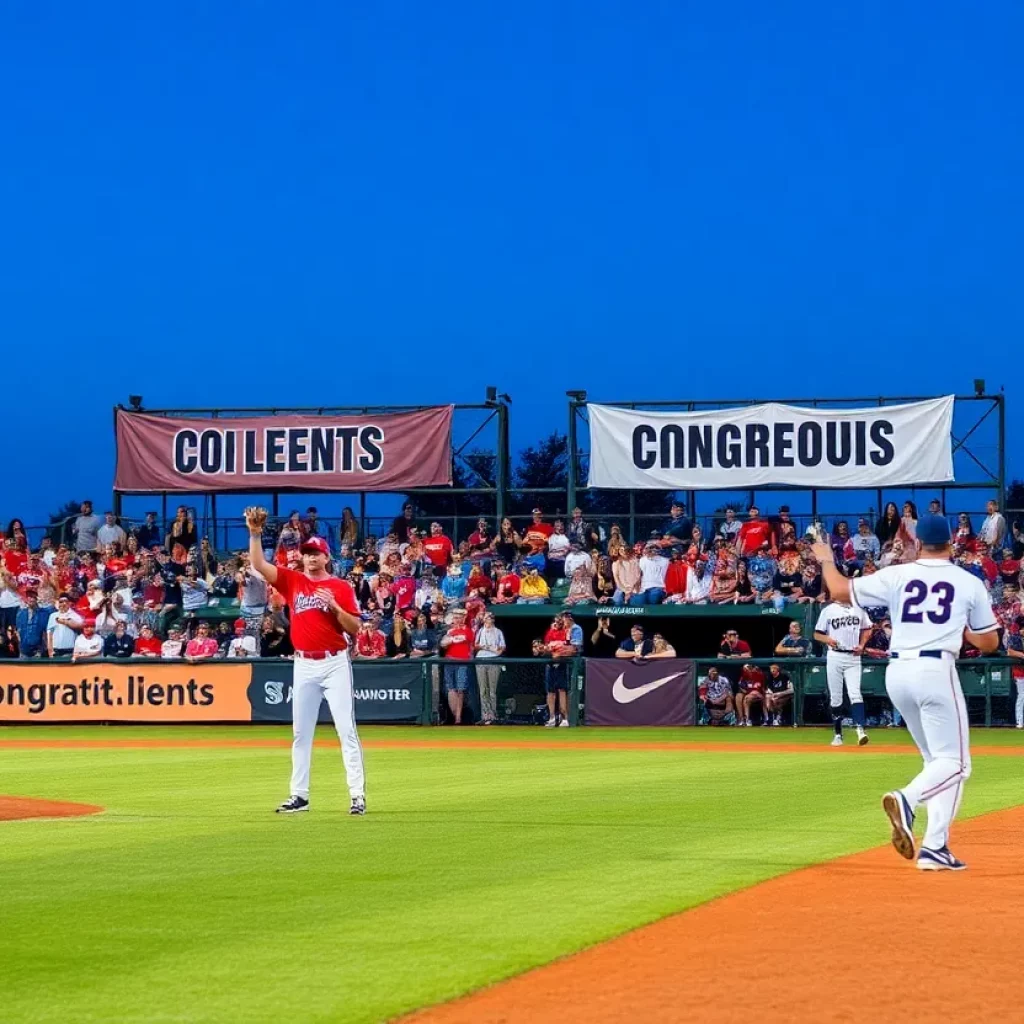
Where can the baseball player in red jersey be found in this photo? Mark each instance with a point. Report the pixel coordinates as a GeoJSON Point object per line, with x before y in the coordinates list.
{"type": "Point", "coordinates": [323, 610]}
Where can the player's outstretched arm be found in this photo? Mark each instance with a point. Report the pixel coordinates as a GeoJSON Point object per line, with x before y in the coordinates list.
{"type": "Point", "coordinates": [255, 519]}
{"type": "Point", "coordinates": [838, 585]}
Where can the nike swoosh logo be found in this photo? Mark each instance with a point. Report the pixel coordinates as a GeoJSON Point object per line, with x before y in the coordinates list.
{"type": "Point", "coordinates": [624, 694]}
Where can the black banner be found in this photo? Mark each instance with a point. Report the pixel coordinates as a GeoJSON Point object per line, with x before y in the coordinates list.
{"type": "Point", "coordinates": [658, 692]}
{"type": "Point", "coordinates": [384, 692]}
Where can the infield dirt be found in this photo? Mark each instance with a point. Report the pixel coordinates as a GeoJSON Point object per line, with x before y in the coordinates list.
{"type": "Point", "coordinates": [16, 808]}
{"type": "Point", "coordinates": [862, 937]}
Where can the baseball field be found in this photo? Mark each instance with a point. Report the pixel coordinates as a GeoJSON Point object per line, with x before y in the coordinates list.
{"type": "Point", "coordinates": [487, 860]}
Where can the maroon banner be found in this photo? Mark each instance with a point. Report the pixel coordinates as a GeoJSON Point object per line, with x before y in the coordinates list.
{"type": "Point", "coordinates": [388, 452]}
{"type": "Point", "coordinates": [620, 692]}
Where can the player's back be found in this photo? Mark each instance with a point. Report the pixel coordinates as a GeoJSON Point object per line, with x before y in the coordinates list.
{"type": "Point", "coordinates": [930, 603]}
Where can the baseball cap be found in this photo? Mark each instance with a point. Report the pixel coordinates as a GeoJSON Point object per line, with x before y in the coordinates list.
{"type": "Point", "coordinates": [239, 623]}
{"type": "Point", "coordinates": [538, 512]}
{"type": "Point", "coordinates": [316, 544]}
{"type": "Point", "coordinates": [933, 531]}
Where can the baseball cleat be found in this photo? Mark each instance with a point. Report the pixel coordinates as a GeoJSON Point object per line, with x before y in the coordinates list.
{"type": "Point", "coordinates": [938, 860]}
{"type": "Point", "coordinates": [358, 805]}
{"type": "Point", "coordinates": [901, 817]}
{"type": "Point", "coordinates": [293, 805]}
{"type": "Point", "coordinates": [862, 737]}
{"type": "Point", "coordinates": [837, 741]}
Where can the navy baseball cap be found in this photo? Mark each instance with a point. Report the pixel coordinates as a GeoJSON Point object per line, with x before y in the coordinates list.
{"type": "Point", "coordinates": [933, 531]}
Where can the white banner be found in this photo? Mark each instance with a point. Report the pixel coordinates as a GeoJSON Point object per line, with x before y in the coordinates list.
{"type": "Point", "coordinates": [758, 445]}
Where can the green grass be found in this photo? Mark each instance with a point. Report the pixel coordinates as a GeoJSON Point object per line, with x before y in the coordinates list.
{"type": "Point", "coordinates": [189, 901]}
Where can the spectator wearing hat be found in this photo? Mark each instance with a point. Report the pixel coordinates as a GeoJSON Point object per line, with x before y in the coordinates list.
{"type": "Point", "coordinates": [678, 530]}
{"type": "Point", "coordinates": [223, 636]}
{"type": "Point", "coordinates": [119, 644]}
{"type": "Point", "coordinates": [865, 543]}
{"type": "Point", "coordinates": [556, 675]}
{"type": "Point", "coordinates": [453, 586]}
{"type": "Point", "coordinates": [147, 645]}
{"type": "Point", "coordinates": [242, 645]}
{"type": "Point", "coordinates": [778, 694]}
{"type": "Point", "coordinates": [31, 625]}
{"type": "Point", "coordinates": [88, 646]}
{"type": "Point", "coordinates": [533, 588]}
{"type": "Point", "coordinates": [174, 645]}
{"type": "Point", "coordinates": [536, 535]}
{"type": "Point", "coordinates": [653, 568]}
{"type": "Point", "coordinates": [481, 542]}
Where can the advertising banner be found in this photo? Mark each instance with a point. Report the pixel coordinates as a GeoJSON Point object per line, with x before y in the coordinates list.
{"type": "Point", "coordinates": [108, 691]}
{"type": "Point", "coordinates": [620, 692]}
{"type": "Point", "coordinates": [760, 445]}
{"type": "Point", "coordinates": [384, 693]}
{"type": "Point", "coordinates": [386, 452]}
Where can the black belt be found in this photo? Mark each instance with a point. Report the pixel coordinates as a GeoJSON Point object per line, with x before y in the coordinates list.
{"type": "Point", "coordinates": [920, 654]}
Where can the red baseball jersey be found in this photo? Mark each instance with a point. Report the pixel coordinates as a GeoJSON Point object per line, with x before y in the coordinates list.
{"type": "Point", "coordinates": [461, 648]}
{"type": "Point", "coordinates": [314, 628]}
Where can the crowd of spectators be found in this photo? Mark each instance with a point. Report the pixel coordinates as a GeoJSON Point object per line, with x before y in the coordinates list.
{"type": "Point", "coordinates": [152, 591]}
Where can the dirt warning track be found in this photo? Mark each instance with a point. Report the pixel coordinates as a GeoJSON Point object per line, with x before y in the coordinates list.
{"type": "Point", "coordinates": [867, 937]}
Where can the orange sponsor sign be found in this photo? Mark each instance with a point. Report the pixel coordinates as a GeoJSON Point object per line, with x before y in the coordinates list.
{"type": "Point", "coordinates": [105, 691]}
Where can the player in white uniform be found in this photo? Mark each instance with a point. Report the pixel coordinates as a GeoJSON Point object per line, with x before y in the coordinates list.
{"type": "Point", "coordinates": [934, 606]}
{"type": "Point", "coordinates": [844, 630]}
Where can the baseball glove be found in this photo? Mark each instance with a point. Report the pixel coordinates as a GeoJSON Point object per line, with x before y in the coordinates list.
{"type": "Point", "coordinates": [255, 518]}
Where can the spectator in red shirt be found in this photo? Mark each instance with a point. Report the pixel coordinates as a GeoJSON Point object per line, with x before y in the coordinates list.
{"type": "Point", "coordinates": [753, 533]}
{"type": "Point", "coordinates": [370, 641]}
{"type": "Point", "coordinates": [147, 645]}
{"type": "Point", "coordinates": [537, 533]}
{"type": "Point", "coordinates": [676, 575]}
{"type": "Point", "coordinates": [750, 693]}
{"type": "Point", "coordinates": [479, 583]}
{"type": "Point", "coordinates": [507, 588]}
{"type": "Point", "coordinates": [457, 645]}
{"type": "Point", "coordinates": [481, 543]}
{"type": "Point", "coordinates": [732, 646]}
{"type": "Point", "coordinates": [438, 548]}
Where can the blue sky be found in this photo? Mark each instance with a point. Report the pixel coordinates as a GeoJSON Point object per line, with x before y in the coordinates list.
{"type": "Point", "coordinates": [330, 203]}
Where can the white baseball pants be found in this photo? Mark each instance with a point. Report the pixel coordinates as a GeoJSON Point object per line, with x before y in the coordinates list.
{"type": "Point", "coordinates": [1019, 709]}
{"type": "Point", "coordinates": [330, 677]}
{"type": "Point", "coordinates": [843, 668]}
{"type": "Point", "coordinates": [928, 695]}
